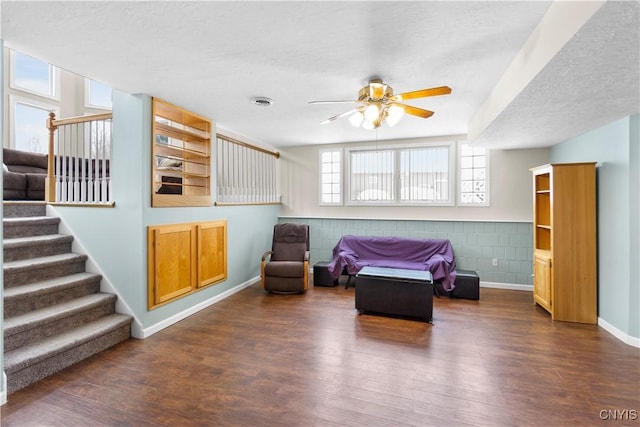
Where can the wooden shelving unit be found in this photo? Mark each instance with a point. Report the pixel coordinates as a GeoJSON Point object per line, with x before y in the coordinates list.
{"type": "Point", "coordinates": [564, 241]}
{"type": "Point", "coordinates": [181, 170]}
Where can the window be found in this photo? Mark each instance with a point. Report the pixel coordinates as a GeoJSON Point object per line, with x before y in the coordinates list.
{"type": "Point", "coordinates": [405, 175]}
{"type": "Point", "coordinates": [424, 175]}
{"type": "Point", "coordinates": [474, 182]}
{"type": "Point", "coordinates": [33, 75]}
{"type": "Point", "coordinates": [97, 95]}
{"type": "Point", "coordinates": [330, 177]}
{"type": "Point", "coordinates": [29, 130]}
{"type": "Point", "coordinates": [246, 174]}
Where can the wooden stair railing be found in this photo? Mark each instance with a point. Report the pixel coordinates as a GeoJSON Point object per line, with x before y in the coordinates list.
{"type": "Point", "coordinates": [79, 160]}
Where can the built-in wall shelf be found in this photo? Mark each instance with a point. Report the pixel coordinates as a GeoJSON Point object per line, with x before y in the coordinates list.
{"type": "Point", "coordinates": [181, 170]}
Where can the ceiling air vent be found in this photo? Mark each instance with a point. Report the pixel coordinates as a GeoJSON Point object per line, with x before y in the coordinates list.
{"type": "Point", "coordinates": [262, 101]}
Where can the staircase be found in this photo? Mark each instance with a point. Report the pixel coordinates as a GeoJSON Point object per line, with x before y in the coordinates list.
{"type": "Point", "coordinates": [54, 312]}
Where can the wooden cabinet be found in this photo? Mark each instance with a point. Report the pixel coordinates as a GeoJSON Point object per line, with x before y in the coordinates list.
{"type": "Point", "coordinates": [564, 241]}
{"type": "Point", "coordinates": [542, 280]}
{"type": "Point", "coordinates": [181, 170]}
{"type": "Point", "coordinates": [183, 258]}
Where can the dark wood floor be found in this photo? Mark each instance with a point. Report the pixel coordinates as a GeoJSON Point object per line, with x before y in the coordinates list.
{"type": "Point", "coordinates": [256, 359]}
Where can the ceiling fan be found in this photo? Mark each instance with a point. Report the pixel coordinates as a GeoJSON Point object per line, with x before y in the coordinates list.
{"type": "Point", "coordinates": [376, 104]}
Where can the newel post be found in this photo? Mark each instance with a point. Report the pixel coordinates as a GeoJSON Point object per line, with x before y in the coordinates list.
{"type": "Point", "coordinates": [50, 183]}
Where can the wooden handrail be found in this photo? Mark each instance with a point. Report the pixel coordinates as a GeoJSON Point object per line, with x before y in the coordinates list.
{"type": "Point", "coordinates": [79, 119]}
{"type": "Point", "coordinates": [275, 154]}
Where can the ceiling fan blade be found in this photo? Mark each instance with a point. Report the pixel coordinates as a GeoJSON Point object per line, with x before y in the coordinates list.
{"type": "Point", "coordinates": [422, 93]}
{"type": "Point", "coordinates": [337, 116]}
{"type": "Point", "coordinates": [414, 111]}
{"type": "Point", "coordinates": [332, 102]}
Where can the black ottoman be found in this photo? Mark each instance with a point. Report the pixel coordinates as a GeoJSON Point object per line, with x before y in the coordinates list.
{"type": "Point", "coordinates": [321, 274]}
{"type": "Point", "coordinates": [467, 285]}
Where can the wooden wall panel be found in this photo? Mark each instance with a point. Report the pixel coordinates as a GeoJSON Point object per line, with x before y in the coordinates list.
{"type": "Point", "coordinates": [212, 254]}
{"type": "Point", "coordinates": [183, 258]}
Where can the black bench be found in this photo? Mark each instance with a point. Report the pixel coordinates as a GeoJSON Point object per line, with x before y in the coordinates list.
{"type": "Point", "coordinates": [321, 275]}
{"type": "Point", "coordinates": [395, 291]}
{"type": "Point", "coordinates": [467, 286]}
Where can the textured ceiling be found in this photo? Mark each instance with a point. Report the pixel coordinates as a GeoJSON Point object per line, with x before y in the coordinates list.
{"type": "Point", "coordinates": [213, 57]}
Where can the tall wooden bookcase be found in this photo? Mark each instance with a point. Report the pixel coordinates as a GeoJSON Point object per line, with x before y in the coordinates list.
{"type": "Point", "coordinates": [564, 241]}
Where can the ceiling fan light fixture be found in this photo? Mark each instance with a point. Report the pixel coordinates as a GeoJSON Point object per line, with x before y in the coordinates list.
{"type": "Point", "coordinates": [368, 124]}
{"type": "Point", "coordinates": [356, 118]}
{"type": "Point", "coordinates": [393, 115]}
{"type": "Point", "coordinates": [376, 89]}
{"type": "Point", "coordinates": [372, 112]}
{"type": "Point", "coordinates": [377, 103]}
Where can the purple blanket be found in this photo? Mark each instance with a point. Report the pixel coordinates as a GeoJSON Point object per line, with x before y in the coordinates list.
{"type": "Point", "coordinates": [352, 253]}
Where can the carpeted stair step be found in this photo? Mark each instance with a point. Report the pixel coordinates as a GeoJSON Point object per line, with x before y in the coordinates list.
{"type": "Point", "coordinates": [31, 226]}
{"type": "Point", "coordinates": [54, 312]}
{"type": "Point", "coordinates": [37, 325]}
{"type": "Point", "coordinates": [32, 270]}
{"type": "Point", "coordinates": [37, 246]}
{"type": "Point", "coordinates": [11, 209]}
{"type": "Point", "coordinates": [34, 296]}
{"type": "Point", "coordinates": [32, 363]}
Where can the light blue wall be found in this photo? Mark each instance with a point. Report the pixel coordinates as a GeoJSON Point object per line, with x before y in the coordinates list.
{"type": "Point", "coordinates": [634, 201]}
{"type": "Point", "coordinates": [114, 237]}
{"type": "Point", "coordinates": [615, 148]}
{"type": "Point", "coordinates": [475, 243]}
{"type": "Point", "coordinates": [117, 238]}
{"type": "Point", "coordinates": [2, 391]}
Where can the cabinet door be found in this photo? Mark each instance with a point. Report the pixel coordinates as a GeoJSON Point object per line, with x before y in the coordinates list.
{"type": "Point", "coordinates": [542, 281]}
{"type": "Point", "coordinates": [171, 262]}
{"type": "Point", "coordinates": [212, 253]}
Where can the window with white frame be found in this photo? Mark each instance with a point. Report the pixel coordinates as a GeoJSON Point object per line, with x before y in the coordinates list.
{"type": "Point", "coordinates": [418, 175]}
{"type": "Point", "coordinates": [474, 176]}
{"type": "Point", "coordinates": [246, 174]}
{"type": "Point", "coordinates": [331, 177]}
{"type": "Point", "coordinates": [97, 95]}
{"type": "Point", "coordinates": [424, 175]}
{"type": "Point", "coordinates": [28, 130]}
{"type": "Point", "coordinates": [33, 75]}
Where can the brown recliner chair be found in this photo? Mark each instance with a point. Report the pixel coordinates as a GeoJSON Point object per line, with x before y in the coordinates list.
{"type": "Point", "coordinates": [285, 268]}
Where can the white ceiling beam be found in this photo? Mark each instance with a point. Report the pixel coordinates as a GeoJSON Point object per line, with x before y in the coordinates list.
{"type": "Point", "coordinates": [561, 22]}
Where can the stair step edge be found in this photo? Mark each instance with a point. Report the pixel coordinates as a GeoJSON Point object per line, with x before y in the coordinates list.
{"type": "Point", "coordinates": [16, 242]}
{"type": "Point", "coordinates": [42, 262]}
{"type": "Point", "coordinates": [30, 220]}
{"type": "Point", "coordinates": [20, 358]}
{"type": "Point", "coordinates": [33, 319]}
{"type": "Point", "coordinates": [50, 285]}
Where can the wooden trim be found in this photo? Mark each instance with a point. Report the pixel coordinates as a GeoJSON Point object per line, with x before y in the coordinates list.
{"type": "Point", "coordinates": [50, 183]}
{"type": "Point", "coordinates": [85, 205]}
{"type": "Point", "coordinates": [172, 132]}
{"type": "Point", "coordinates": [171, 201]}
{"type": "Point", "coordinates": [275, 154]}
{"type": "Point", "coordinates": [82, 119]}
{"type": "Point", "coordinates": [178, 114]}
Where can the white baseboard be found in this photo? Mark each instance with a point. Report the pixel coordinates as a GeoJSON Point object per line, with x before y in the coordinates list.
{"type": "Point", "coordinates": [147, 332]}
{"type": "Point", "coordinates": [627, 339]}
{"type": "Point", "coordinates": [511, 286]}
{"type": "Point", "coordinates": [3, 394]}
